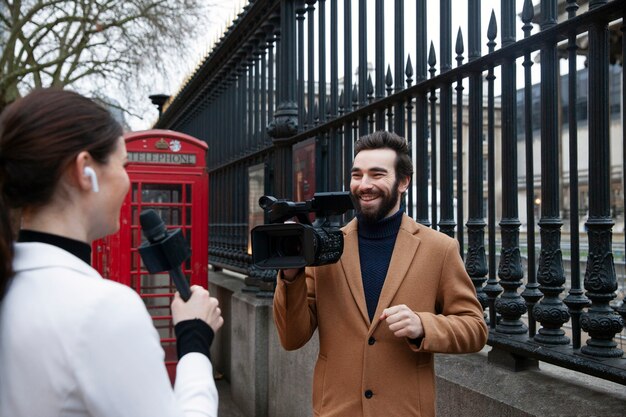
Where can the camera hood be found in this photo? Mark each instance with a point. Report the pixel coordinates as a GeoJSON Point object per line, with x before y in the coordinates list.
{"type": "Point", "coordinates": [283, 246]}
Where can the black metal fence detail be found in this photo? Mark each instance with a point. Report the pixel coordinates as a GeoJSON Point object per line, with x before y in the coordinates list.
{"type": "Point", "coordinates": [550, 311]}
{"type": "Point", "coordinates": [510, 305]}
{"type": "Point", "coordinates": [600, 321]}
{"type": "Point", "coordinates": [531, 293]}
{"type": "Point", "coordinates": [290, 74]}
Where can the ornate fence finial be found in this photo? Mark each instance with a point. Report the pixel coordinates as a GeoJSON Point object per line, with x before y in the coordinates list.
{"type": "Point", "coordinates": [389, 80]}
{"type": "Point", "coordinates": [408, 71]}
{"type": "Point", "coordinates": [432, 59]}
{"type": "Point", "coordinates": [459, 48]}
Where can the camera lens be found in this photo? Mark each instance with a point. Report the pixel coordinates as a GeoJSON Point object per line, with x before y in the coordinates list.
{"type": "Point", "coordinates": [289, 246]}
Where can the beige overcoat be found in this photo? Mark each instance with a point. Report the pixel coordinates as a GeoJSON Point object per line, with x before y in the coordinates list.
{"type": "Point", "coordinates": [362, 368]}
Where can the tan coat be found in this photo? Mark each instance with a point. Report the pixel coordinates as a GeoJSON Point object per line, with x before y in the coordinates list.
{"type": "Point", "coordinates": [362, 368]}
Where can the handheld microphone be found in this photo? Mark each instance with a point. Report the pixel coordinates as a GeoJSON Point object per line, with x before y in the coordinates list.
{"type": "Point", "coordinates": [164, 251]}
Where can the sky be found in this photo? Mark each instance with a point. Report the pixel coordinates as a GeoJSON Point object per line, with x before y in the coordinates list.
{"type": "Point", "coordinates": [221, 13]}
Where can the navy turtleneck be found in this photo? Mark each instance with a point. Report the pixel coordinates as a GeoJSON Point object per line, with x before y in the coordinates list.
{"type": "Point", "coordinates": [376, 242]}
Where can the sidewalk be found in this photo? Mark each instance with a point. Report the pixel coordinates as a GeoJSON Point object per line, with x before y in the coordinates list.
{"type": "Point", "coordinates": [227, 407]}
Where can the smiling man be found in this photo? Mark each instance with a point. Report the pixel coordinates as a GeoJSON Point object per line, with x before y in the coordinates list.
{"type": "Point", "coordinates": [398, 294]}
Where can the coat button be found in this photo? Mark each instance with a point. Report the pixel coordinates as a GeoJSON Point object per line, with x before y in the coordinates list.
{"type": "Point", "coordinates": [371, 341]}
{"type": "Point", "coordinates": [368, 394]}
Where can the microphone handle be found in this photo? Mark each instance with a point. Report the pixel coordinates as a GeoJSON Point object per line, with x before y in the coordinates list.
{"type": "Point", "coordinates": [180, 280]}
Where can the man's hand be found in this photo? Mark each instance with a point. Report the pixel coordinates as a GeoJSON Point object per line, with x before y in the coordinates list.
{"type": "Point", "coordinates": [290, 274]}
{"type": "Point", "coordinates": [403, 322]}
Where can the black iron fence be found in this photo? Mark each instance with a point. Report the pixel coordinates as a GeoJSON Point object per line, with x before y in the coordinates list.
{"type": "Point", "coordinates": [289, 87]}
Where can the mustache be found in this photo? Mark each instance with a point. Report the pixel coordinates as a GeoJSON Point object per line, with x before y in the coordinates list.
{"type": "Point", "coordinates": [359, 193]}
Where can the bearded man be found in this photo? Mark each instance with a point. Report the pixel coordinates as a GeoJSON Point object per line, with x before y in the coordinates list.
{"type": "Point", "coordinates": [399, 294]}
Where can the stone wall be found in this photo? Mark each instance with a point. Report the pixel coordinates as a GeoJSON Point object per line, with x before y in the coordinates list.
{"type": "Point", "coordinates": [267, 381]}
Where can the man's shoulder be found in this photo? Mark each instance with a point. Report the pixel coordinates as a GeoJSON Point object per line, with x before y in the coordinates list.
{"type": "Point", "coordinates": [408, 225]}
{"type": "Point", "coordinates": [350, 227]}
{"type": "Point", "coordinates": [423, 232]}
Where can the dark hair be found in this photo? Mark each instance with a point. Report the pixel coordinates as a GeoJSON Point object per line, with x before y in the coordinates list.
{"type": "Point", "coordinates": [6, 249]}
{"type": "Point", "coordinates": [388, 140]}
{"type": "Point", "coordinates": [40, 134]}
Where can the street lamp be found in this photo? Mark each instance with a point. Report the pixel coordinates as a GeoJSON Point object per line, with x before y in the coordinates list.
{"type": "Point", "coordinates": [159, 100]}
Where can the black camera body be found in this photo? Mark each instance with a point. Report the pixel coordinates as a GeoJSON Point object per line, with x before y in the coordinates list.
{"type": "Point", "coordinates": [280, 245]}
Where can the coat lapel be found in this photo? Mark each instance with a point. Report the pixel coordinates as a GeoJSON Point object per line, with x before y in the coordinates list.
{"type": "Point", "coordinates": [404, 250]}
{"type": "Point", "coordinates": [352, 267]}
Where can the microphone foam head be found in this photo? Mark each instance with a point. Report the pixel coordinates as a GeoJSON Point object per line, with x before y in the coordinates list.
{"type": "Point", "coordinates": [152, 225]}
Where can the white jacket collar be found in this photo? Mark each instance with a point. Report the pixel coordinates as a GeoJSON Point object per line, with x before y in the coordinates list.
{"type": "Point", "coordinates": [36, 255]}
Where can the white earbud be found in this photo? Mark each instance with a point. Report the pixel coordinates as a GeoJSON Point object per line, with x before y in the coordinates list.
{"type": "Point", "coordinates": [89, 172]}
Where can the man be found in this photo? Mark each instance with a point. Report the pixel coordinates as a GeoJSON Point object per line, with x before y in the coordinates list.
{"type": "Point", "coordinates": [398, 294]}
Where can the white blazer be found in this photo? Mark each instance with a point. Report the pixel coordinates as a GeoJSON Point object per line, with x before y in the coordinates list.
{"type": "Point", "coordinates": [74, 344]}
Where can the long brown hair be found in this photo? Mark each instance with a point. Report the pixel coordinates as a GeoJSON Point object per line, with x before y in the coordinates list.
{"type": "Point", "coordinates": [40, 134]}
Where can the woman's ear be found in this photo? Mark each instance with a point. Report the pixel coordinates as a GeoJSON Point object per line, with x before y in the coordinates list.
{"type": "Point", "coordinates": [88, 171]}
{"type": "Point", "coordinates": [84, 173]}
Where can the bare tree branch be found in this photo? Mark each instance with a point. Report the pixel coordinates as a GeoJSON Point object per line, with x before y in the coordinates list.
{"type": "Point", "coordinates": [65, 42]}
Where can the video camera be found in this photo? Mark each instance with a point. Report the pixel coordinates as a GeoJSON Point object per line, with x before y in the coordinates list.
{"type": "Point", "coordinates": [295, 245]}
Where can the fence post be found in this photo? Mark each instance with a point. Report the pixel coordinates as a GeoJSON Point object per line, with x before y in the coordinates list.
{"type": "Point", "coordinates": [550, 312]}
{"type": "Point", "coordinates": [283, 126]}
{"type": "Point", "coordinates": [475, 261]}
{"type": "Point", "coordinates": [510, 305]}
{"type": "Point", "coordinates": [285, 123]}
{"type": "Point", "coordinates": [600, 321]}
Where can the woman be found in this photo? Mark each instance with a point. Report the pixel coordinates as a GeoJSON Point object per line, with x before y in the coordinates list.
{"type": "Point", "coordinates": [72, 343]}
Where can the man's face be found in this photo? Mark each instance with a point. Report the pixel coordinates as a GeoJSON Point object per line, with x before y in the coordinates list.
{"type": "Point", "coordinates": [374, 185]}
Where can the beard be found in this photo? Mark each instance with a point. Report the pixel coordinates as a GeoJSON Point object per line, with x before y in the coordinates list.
{"type": "Point", "coordinates": [387, 203]}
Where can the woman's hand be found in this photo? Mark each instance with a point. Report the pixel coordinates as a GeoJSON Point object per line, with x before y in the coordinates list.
{"type": "Point", "coordinates": [199, 306]}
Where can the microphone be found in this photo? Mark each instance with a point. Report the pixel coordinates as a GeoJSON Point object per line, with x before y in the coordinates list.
{"type": "Point", "coordinates": [164, 251]}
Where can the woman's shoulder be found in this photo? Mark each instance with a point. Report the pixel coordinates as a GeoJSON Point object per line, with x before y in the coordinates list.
{"type": "Point", "coordinates": [71, 306]}
{"type": "Point", "coordinates": [39, 265]}
{"type": "Point", "coordinates": [51, 278]}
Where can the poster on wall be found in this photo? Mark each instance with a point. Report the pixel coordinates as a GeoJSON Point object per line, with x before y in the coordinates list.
{"type": "Point", "coordinates": [256, 187]}
{"type": "Point", "coordinates": [304, 170]}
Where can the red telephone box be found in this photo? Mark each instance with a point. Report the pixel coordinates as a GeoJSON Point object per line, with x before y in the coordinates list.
{"type": "Point", "coordinates": [168, 174]}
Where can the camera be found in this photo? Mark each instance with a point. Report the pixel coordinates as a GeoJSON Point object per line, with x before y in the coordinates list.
{"type": "Point", "coordinates": [280, 245]}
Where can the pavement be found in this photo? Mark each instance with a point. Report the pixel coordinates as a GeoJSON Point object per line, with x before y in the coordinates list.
{"type": "Point", "coordinates": [227, 407]}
